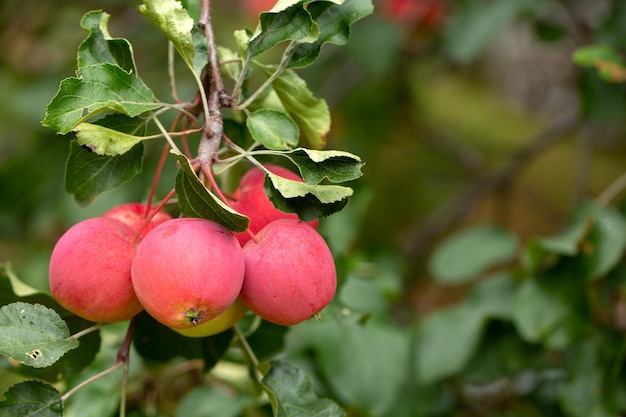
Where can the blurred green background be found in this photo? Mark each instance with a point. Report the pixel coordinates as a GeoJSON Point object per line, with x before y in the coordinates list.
{"type": "Point", "coordinates": [465, 112]}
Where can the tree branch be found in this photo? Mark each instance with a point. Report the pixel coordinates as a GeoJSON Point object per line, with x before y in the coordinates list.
{"type": "Point", "coordinates": [214, 87]}
{"type": "Point", "coordinates": [497, 181]}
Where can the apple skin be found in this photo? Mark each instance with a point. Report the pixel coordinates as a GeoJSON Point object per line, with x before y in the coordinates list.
{"type": "Point", "coordinates": [252, 201]}
{"type": "Point", "coordinates": [253, 8]}
{"type": "Point", "coordinates": [187, 271]}
{"type": "Point", "coordinates": [135, 215]}
{"type": "Point", "coordinates": [290, 273]}
{"type": "Point", "coordinates": [89, 271]}
{"type": "Point", "coordinates": [219, 323]}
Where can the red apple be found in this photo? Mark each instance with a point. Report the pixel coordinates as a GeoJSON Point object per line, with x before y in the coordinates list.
{"type": "Point", "coordinates": [290, 273]}
{"type": "Point", "coordinates": [187, 271]}
{"type": "Point", "coordinates": [253, 8]}
{"type": "Point", "coordinates": [137, 216]}
{"type": "Point", "coordinates": [89, 271]}
{"type": "Point", "coordinates": [252, 201]}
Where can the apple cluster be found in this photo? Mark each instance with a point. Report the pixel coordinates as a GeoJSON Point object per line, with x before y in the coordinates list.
{"type": "Point", "coordinates": [194, 275]}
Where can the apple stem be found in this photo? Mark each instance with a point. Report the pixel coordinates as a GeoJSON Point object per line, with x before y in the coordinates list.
{"type": "Point", "coordinates": [152, 211]}
{"type": "Point", "coordinates": [157, 175]}
{"type": "Point", "coordinates": [248, 349]}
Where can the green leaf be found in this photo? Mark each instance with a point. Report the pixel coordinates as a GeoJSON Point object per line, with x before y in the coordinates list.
{"type": "Point", "coordinates": [468, 253]}
{"type": "Point", "coordinates": [31, 399]}
{"type": "Point", "coordinates": [553, 308]}
{"type": "Point", "coordinates": [608, 237]}
{"type": "Point", "coordinates": [88, 174]}
{"type": "Point", "coordinates": [105, 141]}
{"type": "Point", "coordinates": [473, 26]}
{"type": "Point", "coordinates": [195, 200]}
{"type": "Point", "coordinates": [308, 201]}
{"type": "Point", "coordinates": [334, 21]}
{"type": "Point", "coordinates": [607, 61]}
{"type": "Point", "coordinates": [99, 47]}
{"type": "Point", "coordinates": [310, 113]}
{"type": "Point", "coordinates": [33, 334]}
{"type": "Point", "coordinates": [449, 337]}
{"type": "Point", "coordinates": [208, 401]}
{"type": "Point", "coordinates": [97, 88]}
{"type": "Point", "coordinates": [292, 395]}
{"type": "Point", "coordinates": [75, 361]}
{"type": "Point", "coordinates": [542, 253]}
{"type": "Point", "coordinates": [175, 22]}
{"type": "Point", "coordinates": [287, 20]}
{"type": "Point", "coordinates": [273, 129]}
{"type": "Point", "coordinates": [336, 166]}
{"type": "Point", "coordinates": [354, 358]}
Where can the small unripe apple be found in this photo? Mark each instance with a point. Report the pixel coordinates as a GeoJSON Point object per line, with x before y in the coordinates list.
{"type": "Point", "coordinates": [290, 273]}
{"type": "Point", "coordinates": [187, 271]}
{"type": "Point", "coordinates": [89, 272]}
{"type": "Point", "coordinates": [252, 201]}
{"type": "Point", "coordinates": [219, 323]}
{"type": "Point", "coordinates": [138, 217]}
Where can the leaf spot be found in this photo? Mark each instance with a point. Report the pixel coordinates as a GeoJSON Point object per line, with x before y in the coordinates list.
{"type": "Point", "coordinates": [35, 354]}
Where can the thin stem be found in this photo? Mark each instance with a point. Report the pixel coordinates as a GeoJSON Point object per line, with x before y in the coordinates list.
{"type": "Point", "coordinates": [157, 175]}
{"type": "Point", "coordinates": [248, 349]}
{"type": "Point", "coordinates": [289, 51]}
{"type": "Point", "coordinates": [88, 381]}
{"type": "Point", "coordinates": [86, 331]}
{"type": "Point", "coordinates": [170, 71]}
{"type": "Point", "coordinates": [165, 133]}
{"type": "Point", "coordinates": [612, 191]}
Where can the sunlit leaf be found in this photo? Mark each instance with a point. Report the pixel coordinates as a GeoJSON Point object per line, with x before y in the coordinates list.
{"type": "Point", "coordinates": [97, 88]}
{"type": "Point", "coordinates": [105, 141]}
{"type": "Point", "coordinates": [195, 200]}
{"type": "Point", "coordinates": [33, 334]}
{"type": "Point", "coordinates": [273, 129]}
{"type": "Point", "coordinates": [334, 20]}
{"type": "Point", "coordinates": [175, 22]}
{"type": "Point", "coordinates": [607, 61]}
{"type": "Point", "coordinates": [336, 166]}
{"type": "Point", "coordinates": [88, 174]}
{"type": "Point", "coordinates": [100, 47]}
{"type": "Point", "coordinates": [291, 393]}
{"type": "Point", "coordinates": [308, 201]}
{"type": "Point", "coordinates": [31, 399]}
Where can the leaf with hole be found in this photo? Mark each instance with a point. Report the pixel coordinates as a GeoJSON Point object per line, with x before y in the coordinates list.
{"type": "Point", "coordinates": [33, 334]}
